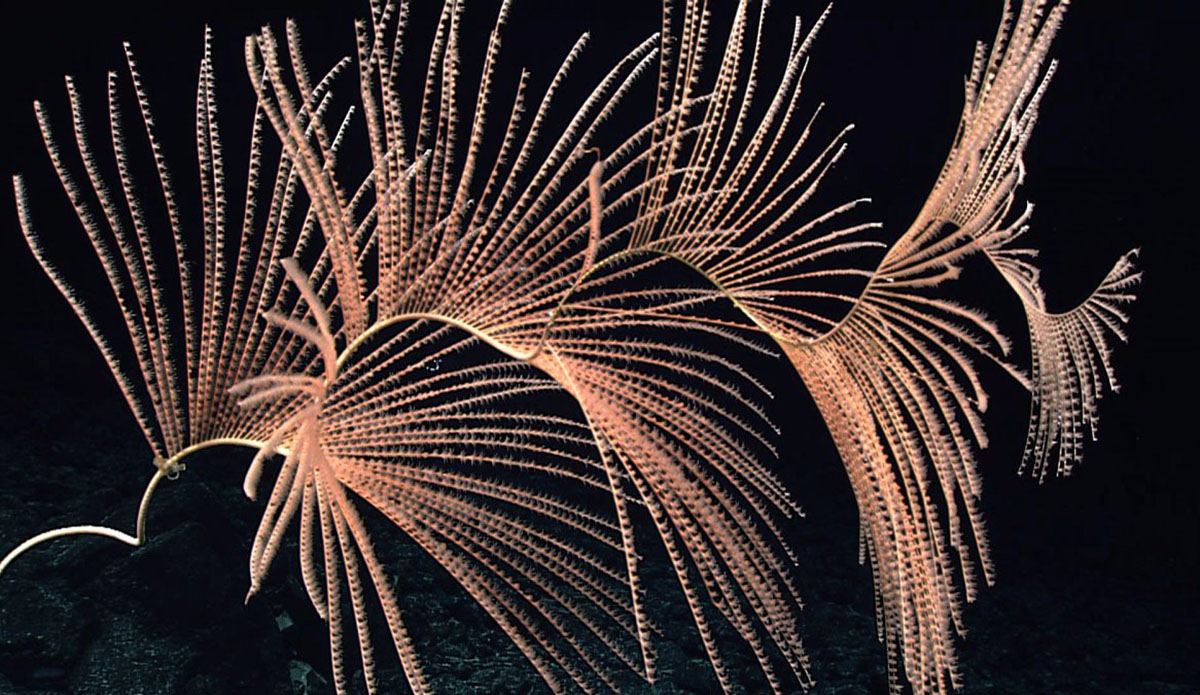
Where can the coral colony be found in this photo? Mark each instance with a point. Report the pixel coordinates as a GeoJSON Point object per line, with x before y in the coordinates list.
{"type": "Point", "coordinates": [380, 337]}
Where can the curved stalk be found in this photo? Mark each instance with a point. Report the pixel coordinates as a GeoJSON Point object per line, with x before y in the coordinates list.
{"type": "Point", "coordinates": [167, 468]}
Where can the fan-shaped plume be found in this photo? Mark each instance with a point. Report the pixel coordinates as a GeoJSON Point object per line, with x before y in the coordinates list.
{"type": "Point", "coordinates": [692, 451]}
{"type": "Point", "coordinates": [440, 432]}
{"type": "Point", "coordinates": [737, 214]}
{"type": "Point", "coordinates": [194, 341]}
{"type": "Point", "coordinates": [1071, 355]}
{"type": "Point", "coordinates": [458, 286]}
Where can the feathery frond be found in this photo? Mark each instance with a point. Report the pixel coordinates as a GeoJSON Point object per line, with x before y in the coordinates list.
{"type": "Point", "coordinates": [190, 344]}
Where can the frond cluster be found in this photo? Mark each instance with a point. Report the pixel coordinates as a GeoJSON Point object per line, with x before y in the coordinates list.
{"type": "Point", "coordinates": [493, 257]}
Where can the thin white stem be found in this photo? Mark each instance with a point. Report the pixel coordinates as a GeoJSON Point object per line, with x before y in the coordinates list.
{"type": "Point", "coordinates": [167, 468]}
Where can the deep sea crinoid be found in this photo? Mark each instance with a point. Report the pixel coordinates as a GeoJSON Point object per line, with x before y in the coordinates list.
{"type": "Point", "coordinates": [418, 265]}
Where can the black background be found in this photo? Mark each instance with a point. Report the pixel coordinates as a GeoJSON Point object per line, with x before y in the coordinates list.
{"type": "Point", "coordinates": [1097, 572]}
